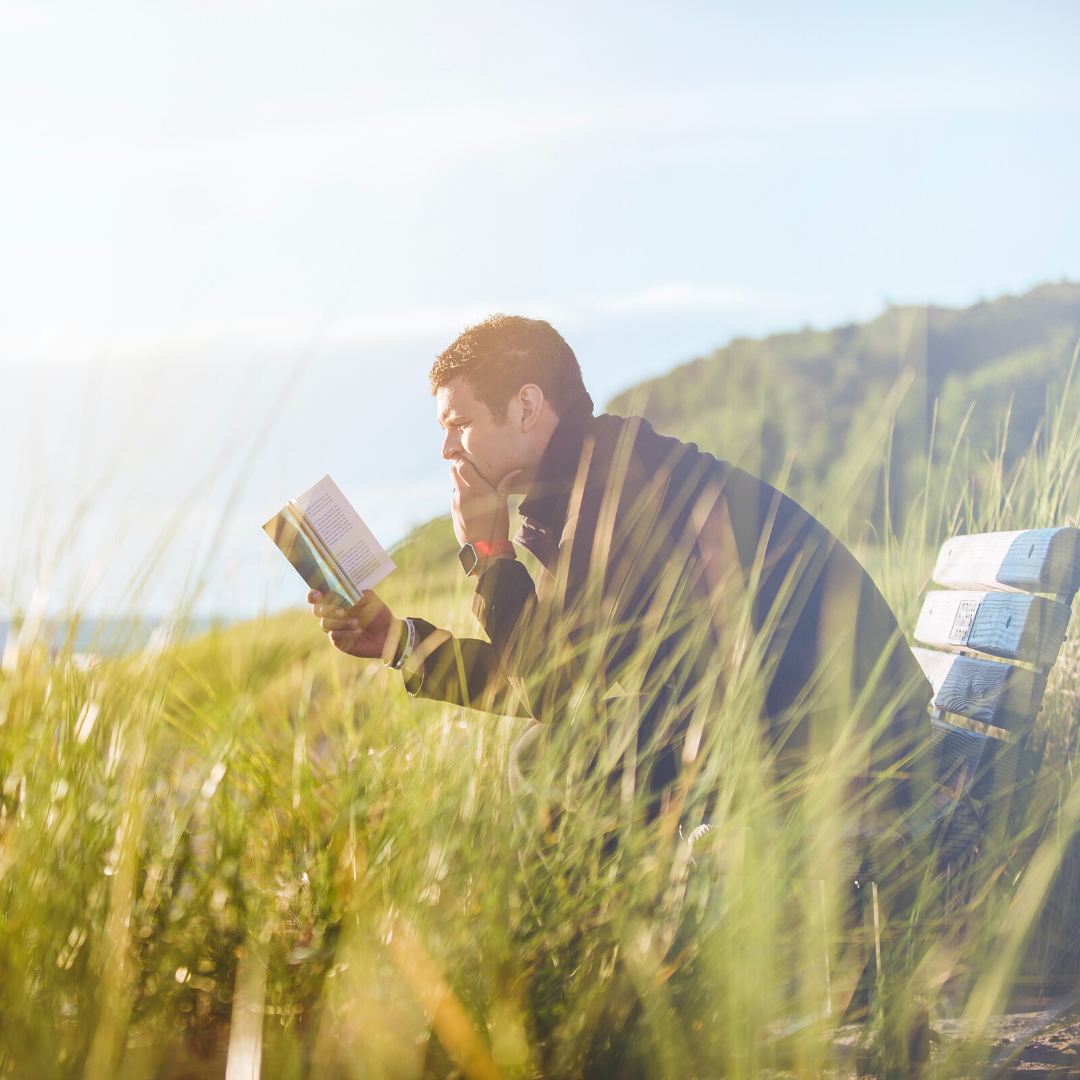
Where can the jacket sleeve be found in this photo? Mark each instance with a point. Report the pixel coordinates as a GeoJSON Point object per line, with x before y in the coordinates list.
{"type": "Point", "coordinates": [487, 674]}
{"type": "Point", "coordinates": [462, 671]}
{"type": "Point", "coordinates": [534, 641]}
{"type": "Point", "coordinates": [505, 599]}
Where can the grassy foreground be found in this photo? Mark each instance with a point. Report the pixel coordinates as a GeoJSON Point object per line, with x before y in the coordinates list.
{"type": "Point", "coordinates": [248, 847]}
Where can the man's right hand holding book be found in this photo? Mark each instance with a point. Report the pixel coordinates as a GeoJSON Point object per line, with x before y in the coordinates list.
{"type": "Point", "coordinates": [368, 629]}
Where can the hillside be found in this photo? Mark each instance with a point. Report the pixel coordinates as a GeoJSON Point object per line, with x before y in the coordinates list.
{"type": "Point", "coordinates": [800, 400]}
{"type": "Point", "coordinates": [806, 395]}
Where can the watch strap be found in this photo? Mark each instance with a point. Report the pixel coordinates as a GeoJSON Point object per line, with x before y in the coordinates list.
{"type": "Point", "coordinates": [471, 554]}
{"type": "Point", "coordinates": [493, 547]}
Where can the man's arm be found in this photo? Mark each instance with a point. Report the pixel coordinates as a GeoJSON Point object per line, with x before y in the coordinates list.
{"type": "Point", "coordinates": [462, 671]}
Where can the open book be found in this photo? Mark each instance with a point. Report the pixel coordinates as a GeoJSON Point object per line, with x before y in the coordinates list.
{"type": "Point", "coordinates": [332, 549]}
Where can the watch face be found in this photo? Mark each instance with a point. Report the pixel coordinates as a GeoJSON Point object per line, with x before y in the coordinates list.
{"type": "Point", "coordinates": [468, 558]}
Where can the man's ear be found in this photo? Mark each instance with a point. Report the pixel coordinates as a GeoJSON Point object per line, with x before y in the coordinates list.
{"type": "Point", "coordinates": [532, 404]}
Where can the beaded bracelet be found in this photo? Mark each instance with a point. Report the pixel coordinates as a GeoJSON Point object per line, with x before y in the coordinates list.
{"type": "Point", "coordinates": [404, 649]}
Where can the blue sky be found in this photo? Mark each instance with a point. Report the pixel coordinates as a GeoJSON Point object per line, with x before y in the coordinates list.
{"type": "Point", "coordinates": [193, 196]}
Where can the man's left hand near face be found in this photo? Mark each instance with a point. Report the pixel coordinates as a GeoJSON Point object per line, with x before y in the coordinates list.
{"type": "Point", "coordinates": [479, 510]}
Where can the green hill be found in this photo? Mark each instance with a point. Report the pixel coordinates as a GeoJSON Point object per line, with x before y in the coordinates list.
{"type": "Point", "coordinates": [799, 401]}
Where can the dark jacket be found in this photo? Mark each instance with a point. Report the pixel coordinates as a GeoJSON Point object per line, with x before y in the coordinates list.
{"type": "Point", "coordinates": [614, 518]}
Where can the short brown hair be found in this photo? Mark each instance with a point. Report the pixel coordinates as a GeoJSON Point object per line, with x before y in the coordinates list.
{"type": "Point", "coordinates": [500, 355]}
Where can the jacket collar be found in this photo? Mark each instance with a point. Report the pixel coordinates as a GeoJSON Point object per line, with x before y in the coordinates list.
{"type": "Point", "coordinates": [549, 494]}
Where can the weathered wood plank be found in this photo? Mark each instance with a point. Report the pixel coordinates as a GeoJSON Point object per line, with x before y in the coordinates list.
{"type": "Point", "coordinates": [946, 617]}
{"type": "Point", "coordinates": [1020, 627]}
{"type": "Point", "coordinates": [968, 763]}
{"type": "Point", "coordinates": [935, 664]}
{"type": "Point", "coordinates": [956, 754]}
{"type": "Point", "coordinates": [972, 562]}
{"type": "Point", "coordinates": [1002, 695]}
{"type": "Point", "coordinates": [1016, 626]}
{"type": "Point", "coordinates": [1032, 560]}
{"type": "Point", "coordinates": [1044, 560]}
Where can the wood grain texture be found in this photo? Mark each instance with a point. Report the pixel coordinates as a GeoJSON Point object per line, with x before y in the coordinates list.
{"type": "Point", "coordinates": [1043, 560]}
{"type": "Point", "coordinates": [989, 692]}
{"type": "Point", "coordinates": [1015, 626]}
{"type": "Point", "coordinates": [1032, 560]}
{"type": "Point", "coordinates": [955, 756]}
{"type": "Point", "coordinates": [967, 763]}
{"type": "Point", "coordinates": [1020, 627]}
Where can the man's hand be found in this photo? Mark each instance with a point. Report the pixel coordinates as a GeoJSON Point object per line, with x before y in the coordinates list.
{"type": "Point", "coordinates": [367, 629]}
{"type": "Point", "coordinates": [479, 510]}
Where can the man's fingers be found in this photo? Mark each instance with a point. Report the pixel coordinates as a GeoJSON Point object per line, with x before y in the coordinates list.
{"type": "Point", "coordinates": [465, 472]}
{"type": "Point", "coordinates": [342, 639]}
{"type": "Point", "coordinates": [334, 617]}
{"type": "Point", "coordinates": [334, 611]}
{"type": "Point", "coordinates": [457, 477]}
{"type": "Point", "coordinates": [314, 596]}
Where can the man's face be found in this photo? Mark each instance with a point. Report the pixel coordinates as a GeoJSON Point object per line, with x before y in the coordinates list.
{"type": "Point", "coordinates": [494, 449]}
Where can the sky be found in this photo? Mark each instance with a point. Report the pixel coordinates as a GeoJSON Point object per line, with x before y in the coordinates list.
{"type": "Point", "coordinates": [233, 235]}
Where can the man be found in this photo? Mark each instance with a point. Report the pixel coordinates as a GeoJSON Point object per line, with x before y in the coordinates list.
{"type": "Point", "coordinates": [663, 574]}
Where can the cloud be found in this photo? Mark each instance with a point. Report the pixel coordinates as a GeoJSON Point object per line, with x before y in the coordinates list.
{"type": "Point", "coordinates": [290, 333]}
{"type": "Point", "coordinates": [683, 296]}
{"type": "Point", "coordinates": [386, 147]}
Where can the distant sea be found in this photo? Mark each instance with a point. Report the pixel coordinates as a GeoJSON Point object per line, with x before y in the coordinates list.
{"type": "Point", "coordinates": [115, 636]}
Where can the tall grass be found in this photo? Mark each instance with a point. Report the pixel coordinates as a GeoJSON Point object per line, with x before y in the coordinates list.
{"type": "Point", "coordinates": [246, 852]}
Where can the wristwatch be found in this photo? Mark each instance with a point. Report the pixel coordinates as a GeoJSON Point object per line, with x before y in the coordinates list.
{"type": "Point", "coordinates": [471, 554]}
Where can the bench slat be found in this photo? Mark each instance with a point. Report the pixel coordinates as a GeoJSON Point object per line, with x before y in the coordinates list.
{"type": "Point", "coordinates": [967, 762]}
{"type": "Point", "coordinates": [1032, 560]}
{"type": "Point", "coordinates": [1016, 626]}
{"type": "Point", "coordinates": [993, 693]}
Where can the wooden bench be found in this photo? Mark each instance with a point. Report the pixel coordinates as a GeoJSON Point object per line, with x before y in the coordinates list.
{"type": "Point", "coordinates": [995, 628]}
{"type": "Point", "coordinates": [1008, 596]}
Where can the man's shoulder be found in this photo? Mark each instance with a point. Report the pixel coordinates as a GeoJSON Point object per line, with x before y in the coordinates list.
{"type": "Point", "coordinates": [630, 456]}
{"type": "Point", "coordinates": [751, 499]}
{"type": "Point", "coordinates": [650, 449]}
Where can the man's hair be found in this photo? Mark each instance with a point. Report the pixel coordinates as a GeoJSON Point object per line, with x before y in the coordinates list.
{"type": "Point", "coordinates": [500, 355]}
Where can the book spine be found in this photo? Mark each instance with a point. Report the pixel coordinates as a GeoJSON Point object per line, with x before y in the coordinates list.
{"type": "Point", "coordinates": [323, 553]}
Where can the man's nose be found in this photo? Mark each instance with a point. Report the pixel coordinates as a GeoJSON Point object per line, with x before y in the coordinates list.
{"type": "Point", "coordinates": [451, 447]}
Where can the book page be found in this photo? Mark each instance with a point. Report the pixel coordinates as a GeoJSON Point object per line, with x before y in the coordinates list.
{"type": "Point", "coordinates": [309, 564]}
{"type": "Point", "coordinates": [345, 535]}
